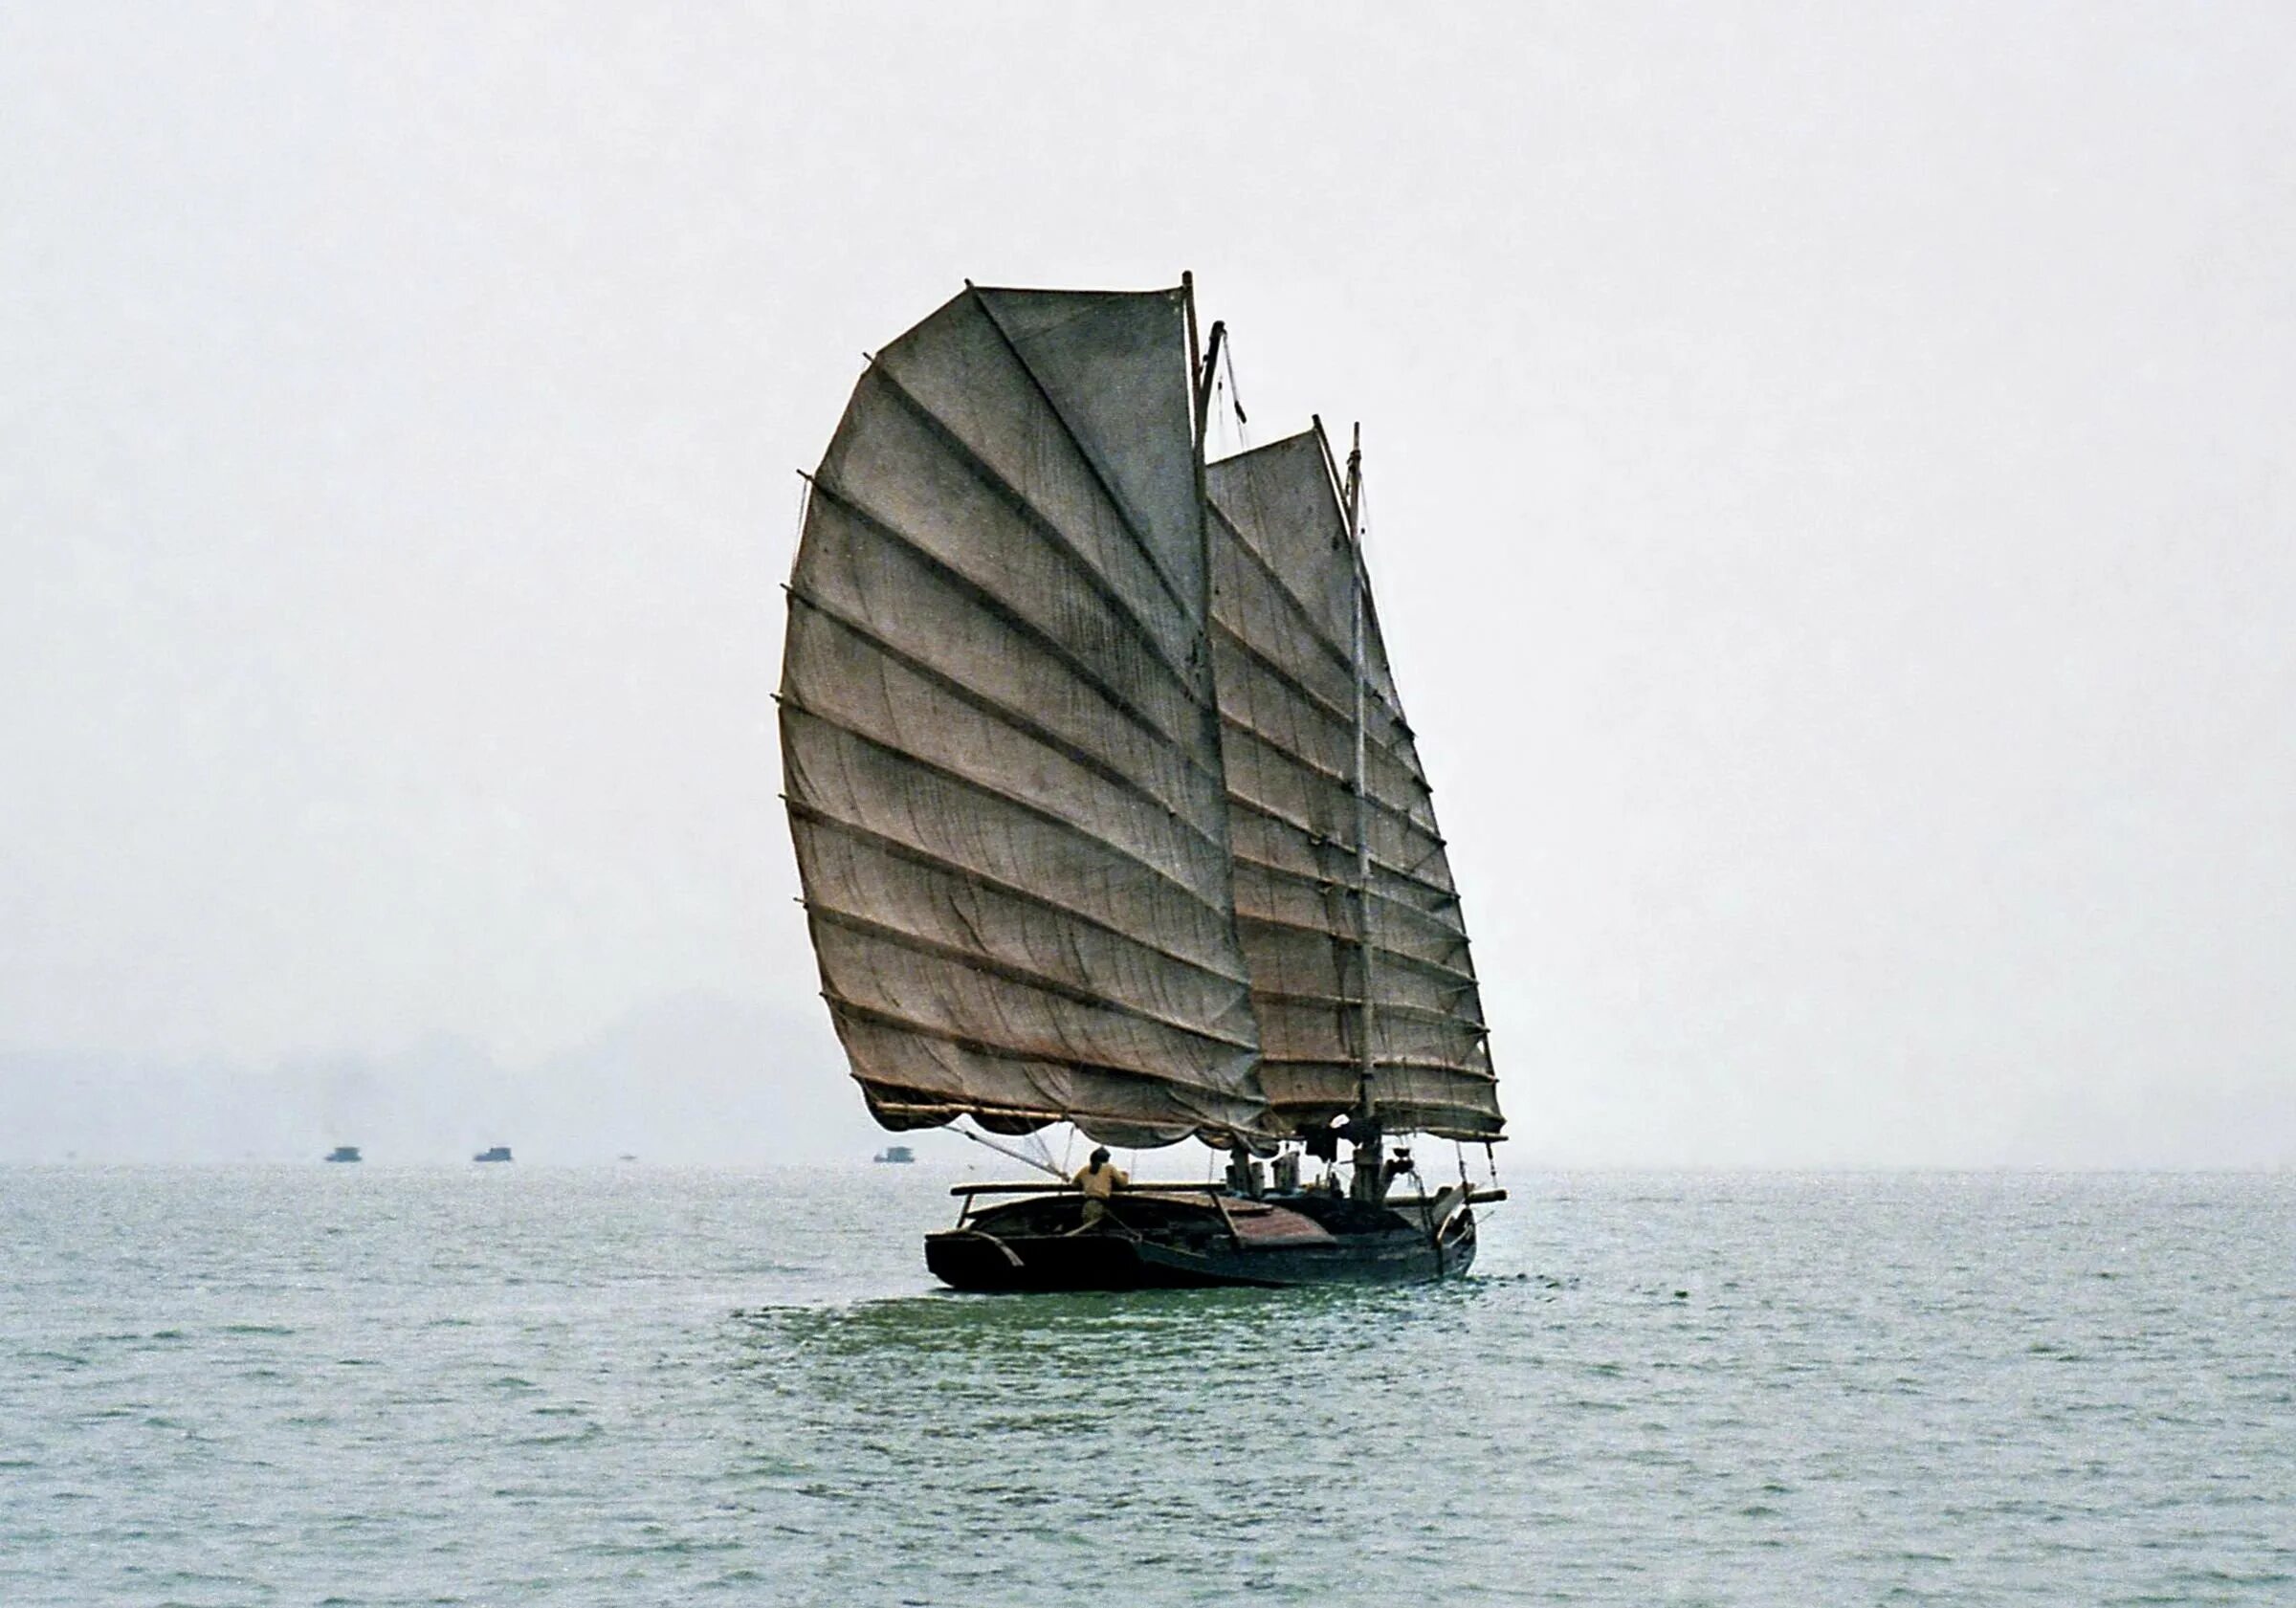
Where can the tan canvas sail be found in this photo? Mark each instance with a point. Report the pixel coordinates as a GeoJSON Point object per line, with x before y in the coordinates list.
{"type": "Point", "coordinates": [1000, 745]}
{"type": "Point", "coordinates": [1284, 587]}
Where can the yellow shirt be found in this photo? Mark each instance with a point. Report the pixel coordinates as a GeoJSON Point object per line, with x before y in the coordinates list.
{"type": "Point", "coordinates": [1100, 1182]}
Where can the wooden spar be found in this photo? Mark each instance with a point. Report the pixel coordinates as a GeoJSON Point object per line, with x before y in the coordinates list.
{"type": "Point", "coordinates": [1474, 1197]}
{"type": "Point", "coordinates": [1063, 1188]}
{"type": "Point", "coordinates": [1201, 366]}
{"type": "Point", "coordinates": [1395, 1203]}
{"type": "Point", "coordinates": [1367, 1021]}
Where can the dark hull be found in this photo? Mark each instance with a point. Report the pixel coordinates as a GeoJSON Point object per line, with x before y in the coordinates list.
{"type": "Point", "coordinates": [1166, 1245]}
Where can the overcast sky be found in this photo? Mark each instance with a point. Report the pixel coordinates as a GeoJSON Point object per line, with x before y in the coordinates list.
{"type": "Point", "coordinates": [1830, 477]}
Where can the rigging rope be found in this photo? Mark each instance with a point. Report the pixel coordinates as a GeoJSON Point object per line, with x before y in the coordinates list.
{"type": "Point", "coordinates": [1007, 1149]}
{"type": "Point", "coordinates": [1235, 393]}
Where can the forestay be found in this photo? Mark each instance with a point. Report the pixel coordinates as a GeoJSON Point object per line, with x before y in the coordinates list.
{"type": "Point", "coordinates": [1000, 749]}
{"type": "Point", "coordinates": [1283, 588]}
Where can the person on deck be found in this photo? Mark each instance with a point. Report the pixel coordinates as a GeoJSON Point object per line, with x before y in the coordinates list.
{"type": "Point", "coordinates": [1098, 1181]}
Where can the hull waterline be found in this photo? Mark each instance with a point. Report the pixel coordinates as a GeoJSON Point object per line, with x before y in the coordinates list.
{"type": "Point", "coordinates": [1168, 1244]}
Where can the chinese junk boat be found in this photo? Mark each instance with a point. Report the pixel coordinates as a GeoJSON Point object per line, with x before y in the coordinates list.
{"type": "Point", "coordinates": [1106, 812]}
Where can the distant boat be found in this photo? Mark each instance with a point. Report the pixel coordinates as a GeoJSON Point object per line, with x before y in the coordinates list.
{"type": "Point", "coordinates": [626, 1156]}
{"type": "Point", "coordinates": [342, 1152]}
{"type": "Point", "coordinates": [493, 1153]}
{"type": "Point", "coordinates": [901, 1154]}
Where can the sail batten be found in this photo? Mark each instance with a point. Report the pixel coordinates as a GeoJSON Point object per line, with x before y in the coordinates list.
{"type": "Point", "coordinates": [1000, 737]}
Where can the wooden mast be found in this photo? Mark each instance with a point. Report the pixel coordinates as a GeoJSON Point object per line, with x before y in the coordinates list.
{"type": "Point", "coordinates": [1366, 1020]}
{"type": "Point", "coordinates": [1203, 359]}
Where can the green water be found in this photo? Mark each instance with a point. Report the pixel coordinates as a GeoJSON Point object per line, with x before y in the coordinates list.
{"type": "Point", "coordinates": [515, 1385]}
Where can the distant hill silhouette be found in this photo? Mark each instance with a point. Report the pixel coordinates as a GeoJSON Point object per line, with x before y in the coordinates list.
{"type": "Point", "coordinates": [698, 1077]}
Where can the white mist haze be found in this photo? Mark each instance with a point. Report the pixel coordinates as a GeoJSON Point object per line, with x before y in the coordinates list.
{"type": "Point", "coordinates": [1833, 511]}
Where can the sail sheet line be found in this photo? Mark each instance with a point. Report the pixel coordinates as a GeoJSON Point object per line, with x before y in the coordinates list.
{"type": "Point", "coordinates": [927, 860]}
{"type": "Point", "coordinates": [975, 960]}
{"type": "Point", "coordinates": [974, 592]}
{"type": "Point", "coordinates": [1036, 732]}
{"type": "Point", "coordinates": [881, 1018]}
{"type": "Point", "coordinates": [1026, 807]}
{"type": "Point", "coordinates": [1043, 527]}
{"type": "Point", "coordinates": [1126, 515]}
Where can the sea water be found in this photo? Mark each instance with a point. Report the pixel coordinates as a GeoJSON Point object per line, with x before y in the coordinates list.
{"type": "Point", "coordinates": [501, 1385]}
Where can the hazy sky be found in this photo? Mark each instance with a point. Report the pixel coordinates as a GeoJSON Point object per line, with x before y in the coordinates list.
{"type": "Point", "coordinates": [1831, 484]}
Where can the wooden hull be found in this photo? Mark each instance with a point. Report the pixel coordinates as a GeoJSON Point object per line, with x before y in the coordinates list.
{"type": "Point", "coordinates": [1167, 1244]}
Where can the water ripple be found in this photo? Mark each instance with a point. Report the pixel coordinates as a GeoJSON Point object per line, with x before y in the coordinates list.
{"type": "Point", "coordinates": [404, 1387]}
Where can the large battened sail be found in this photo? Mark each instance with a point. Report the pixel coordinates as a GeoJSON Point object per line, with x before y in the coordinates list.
{"type": "Point", "coordinates": [999, 738]}
{"type": "Point", "coordinates": [1286, 580]}
{"type": "Point", "coordinates": [1071, 728]}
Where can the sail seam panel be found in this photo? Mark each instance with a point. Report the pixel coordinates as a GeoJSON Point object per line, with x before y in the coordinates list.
{"type": "Point", "coordinates": [1444, 894]}
{"type": "Point", "coordinates": [1051, 646]}
{"type": "Point", "coordinates": [942, 1111]}
{"type": "Point", "coordinates": [1386, 1064]}
{"type": "Point", "coordinates": [1126, 515]}
{"type": "Point", "coordinates": [1234, 617]}
{"type": "Point", "coordinates": [1347, 940]}
{"type": "Point", "coordinates": [1022, 975]}
{"type": "Point", "coordinates": [1339, 784]}
{"type": "Point", "coordinates": [1387, 1008]}
{"type": "Point", "coordinates": [1012, 1053]}
{"type": "Point", "coordinates": [986, 474]}
{"type": "Point", "coordinates": [1402, 759]}
{"type": "Point", "coordinates": [924, 858]}
{"type": "Point", "coordinates": [1443, 917]}
{"type": "Point", "coordinates": [1442, 948]}
{"type": "Point", "coordinates": [1067, 748]}
{"type": "Point", "coordinates": [951, 738]}
{"type": "Point", "coordinates": [1035, 811]}
{"type": "Point", "coordinates": [1314, 630]}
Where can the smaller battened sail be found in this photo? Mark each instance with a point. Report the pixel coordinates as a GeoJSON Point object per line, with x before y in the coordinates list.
{"type": "Point", "coordinates": [1000, 739]}
{"type": "Point", "coordinates": [1285, 588]}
